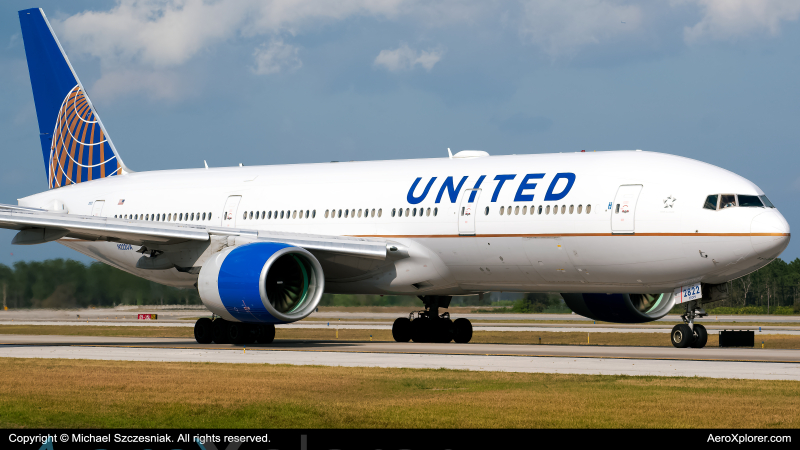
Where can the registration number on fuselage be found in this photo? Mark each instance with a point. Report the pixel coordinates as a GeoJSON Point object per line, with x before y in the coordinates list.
{"type": "Point", "coordinates": [688, 293]}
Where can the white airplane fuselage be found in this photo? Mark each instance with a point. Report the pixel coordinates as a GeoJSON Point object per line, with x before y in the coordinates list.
{"type": "Point", "coordinates": [659, 237]}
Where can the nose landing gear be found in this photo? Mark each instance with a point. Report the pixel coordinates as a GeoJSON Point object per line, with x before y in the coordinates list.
{"type": "Point", "coordinates": [430, 326]}
{"type": "Point", "coordinates": [689, 334]}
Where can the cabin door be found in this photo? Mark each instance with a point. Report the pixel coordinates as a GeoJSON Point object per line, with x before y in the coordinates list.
{"type": "Point", "coordinates": [623, 210]}
{"type": "Point", "coordinates": [97, 207]}
{"type": "Point", "coordinates": [229, 214]}
{"type": "Point", "coordinates": [468, 209]}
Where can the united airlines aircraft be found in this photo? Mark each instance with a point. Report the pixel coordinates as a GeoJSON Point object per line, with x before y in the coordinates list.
{"type": "Point", "coordinates": [624, 236]}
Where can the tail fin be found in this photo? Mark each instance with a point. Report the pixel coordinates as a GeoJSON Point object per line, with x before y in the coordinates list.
{"type": "Point", "coordinates": [75, 145]}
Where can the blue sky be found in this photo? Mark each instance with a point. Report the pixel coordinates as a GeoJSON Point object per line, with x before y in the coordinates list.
{"type": "Point", "coordinates": [260, 82]}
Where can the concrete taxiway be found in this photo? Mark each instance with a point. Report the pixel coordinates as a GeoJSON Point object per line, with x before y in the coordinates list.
{"type": "Point", "coordinates": [766, 364]}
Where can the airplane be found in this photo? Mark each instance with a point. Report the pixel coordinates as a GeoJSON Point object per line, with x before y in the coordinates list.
{"type": "Point", "coordinates": [624, 236]}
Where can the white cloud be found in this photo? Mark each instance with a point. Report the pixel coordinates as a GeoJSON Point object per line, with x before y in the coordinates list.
{"type": "Point", "coordinates": [159, 85]}
{"type": "Point", "coordinates": [732, 19]}
{"type": "Point", "coordinates": [405, 58]}
{"type": "Point", "coordinates": [276, 57]}
{"type": "Point", "coordinates": [560, 27]}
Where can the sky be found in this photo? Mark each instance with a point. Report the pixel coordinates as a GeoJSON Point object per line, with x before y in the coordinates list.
{"type": "Point", "coordinates": [266, 82]}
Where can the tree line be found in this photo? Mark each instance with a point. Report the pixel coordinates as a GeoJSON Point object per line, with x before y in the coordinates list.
{"type": "Point", "coordinates": [59, 283]}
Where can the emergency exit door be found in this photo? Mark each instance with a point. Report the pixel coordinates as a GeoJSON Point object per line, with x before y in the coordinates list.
{"type": "Point", "coordinates": [468, 209]}
{"type": "Point", "coordinates": [229, 214]}
{"type": "Point", "coordinates": [623, 210]}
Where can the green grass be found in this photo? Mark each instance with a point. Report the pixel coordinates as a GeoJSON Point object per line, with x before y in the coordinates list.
{"type": "Point", "coordinates": [104, 394]}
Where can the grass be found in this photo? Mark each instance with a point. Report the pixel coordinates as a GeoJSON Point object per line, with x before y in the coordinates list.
{"type": "Point", "coordinates": [482, 337]}
{"type": "Point", "coordinates": [105, 394]}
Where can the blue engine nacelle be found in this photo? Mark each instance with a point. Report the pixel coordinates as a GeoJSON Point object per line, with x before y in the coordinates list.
{"type": "Point", "coordinates": [621, 308]}
{"type": "Point", "coordinates": [262, 282]}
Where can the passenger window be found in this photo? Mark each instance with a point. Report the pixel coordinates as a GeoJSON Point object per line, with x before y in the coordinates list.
{"type": "Point", "coordinates": [616, 211]}
{"type": "Point", "coordinates": [580, 208]}
{"type": "Point", "coordinates": [588, 209]}
{"type": "Point", "coordinates": [380, 212]}
{"type": "Point", "coordinates": [407, 211]}
{"type": "Point", "coordinates": [502, 210]}
{"type": "Point", "coordinates": [428, 212]}
{"type": "Point", "coordinates": [524, 210]}
{"type": "Point", "coordinates": [462, 210]}
{"type": "Point", "coordinates": [339, 215]}
{"type": "Point", "coordinates": [281, 214]}
{"type": "Point", "coordinates": [711, 202]}
{"type": "Point", "coordinates": [555, 209]}
{"type": "Point", "coordinates": [571, 208]}
{"type": "Point", "coordinates": [766, 201]}
{"type": "Point", "coordinates": [326, 213]}
{"type": "Point", "coordinates": [563, 209]}
{"type": "Point", "coordinates": [727, 201]}
{"type": "Point", "coordinates": [393, 211]}
{"type": "Point", "coordinates": [547, 210]}
{"type": "Point", "coordinates": [313, 213]}
{"type": "Point", "coordinates": [307, 213]}
{"type": "Point", "coordinates": [435, 211]}
{"type": "Point", "coordinates": [540, 209]}
{"type": "Point", "coordinates": [516, 210]}
{"type": "Point", "coordinates": [486, 211]}
{"type": "Point", "coordinates": [372, 214]}
{"type": "Point", "coordinates": [750, 201]}
{"type": "Point", "coordinates": [209, 216]}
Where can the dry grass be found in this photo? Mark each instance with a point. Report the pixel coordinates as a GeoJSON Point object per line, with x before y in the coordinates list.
{"type": "Point", "coordinates": [482, 337]}
{"type": "Point", "coordinates": [97, 394]}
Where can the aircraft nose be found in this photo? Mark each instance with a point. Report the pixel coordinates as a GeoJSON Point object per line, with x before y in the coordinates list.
{"type": "Point", "coordinates": [769, 234]}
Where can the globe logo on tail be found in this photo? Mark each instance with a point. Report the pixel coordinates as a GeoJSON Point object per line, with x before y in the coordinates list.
{"type": "Point", "coordinates": [79, 151]}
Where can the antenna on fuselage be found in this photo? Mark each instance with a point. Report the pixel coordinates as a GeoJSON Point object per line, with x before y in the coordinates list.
{"type": "Point", "coordinates": [204, 162]}
{"type": "Point", "coordinates": [450, 153]}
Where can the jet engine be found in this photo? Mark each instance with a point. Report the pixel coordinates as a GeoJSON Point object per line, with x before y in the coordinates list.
{"type": "Point", "coordinates": [621, 308]}
{"type": "Point", "coordinates": [262, 282]}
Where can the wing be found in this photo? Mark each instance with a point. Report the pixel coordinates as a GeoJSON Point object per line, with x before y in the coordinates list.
{"type": "Point", "coordinates": [38, 226]}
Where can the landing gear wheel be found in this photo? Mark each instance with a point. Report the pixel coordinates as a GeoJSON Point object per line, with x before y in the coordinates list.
{"type": "Point", "coordinates": [421, 330]}
{"type": "Point", "coordinates": [444, 331]}
{"type": "Point", "coordinates": [265, 333]}
{"type": "Point", "coordinates": [219, 331]}
{"type": "Point", "coordinates": [682, 336]}
{"type": "Point", "coordinates": [462, 331]}
{"type": "Point", "coordinates": [202, 331]}
{"type": "Point", "coordinates": [237, 333]}
{"type": "Point", "coordinates": [701, 336]}
{"type": "Point", "coordinates": [401, 329]}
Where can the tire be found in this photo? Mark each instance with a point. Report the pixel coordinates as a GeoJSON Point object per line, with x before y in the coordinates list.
{"type": "Point", "coordinates": [237, 333]}
{"type": "Point", "coordinates": [219, 331]}
{"type": "Point", "coordinates": [420, 330]}
{"type": "Point", "coordinates": [462, 331]}
{"type": "Point", "coordinates": [265, 333]}
{"type": "Point", "coordinates": [682, 336]}
{"type": "Point", "coordinates": [203, 331]}
{"type": "Point", "coordinates": [444, 331]}
{"type": "Point", "coordinates": [401, 329]}
{"type": "Point", "coordinates": [701, 337]}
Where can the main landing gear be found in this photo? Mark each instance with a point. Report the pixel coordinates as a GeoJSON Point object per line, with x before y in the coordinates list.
{"type": "Point", "coordinates": [689, 334]}
{"type": "Point", "coordinates": [430, 326]}
{"type": "Point", "coordinates": [221, 331]}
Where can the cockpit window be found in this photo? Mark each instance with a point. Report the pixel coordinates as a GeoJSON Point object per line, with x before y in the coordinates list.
{"type": "Point", "coordinates": [750, 200]}
{"type": "Point", "coordinates": [727, 201]}
{"type": "Point", "coordinates": [711, 202]}
{"type": "Point", "coordinates": [766, 201]}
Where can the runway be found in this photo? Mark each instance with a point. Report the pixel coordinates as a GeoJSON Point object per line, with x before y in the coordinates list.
{"type": "Point", "coordinates": [769, 364]}
{"type": "Point", "coordinates": [663, 328]}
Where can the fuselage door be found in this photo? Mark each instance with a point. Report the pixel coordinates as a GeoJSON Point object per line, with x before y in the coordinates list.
{"type": "Point", "coordinates": [97, 207]}
{"type": "Point", "coordinates": [229, 214]}
{"type": "Point", "coordinates": [468, 209]}
{"type": "Point", "coordinates": [623, 210]}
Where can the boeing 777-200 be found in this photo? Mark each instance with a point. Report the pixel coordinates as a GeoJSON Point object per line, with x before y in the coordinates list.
{"type": "Point", "coordinates": [624, 236]}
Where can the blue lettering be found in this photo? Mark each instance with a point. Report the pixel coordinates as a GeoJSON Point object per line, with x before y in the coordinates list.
{"type": "Point", "coordinates": [452, 192]}
{"type": "Point", "coordinates": [414, 200]}
{"type": "Point", "coordinates": [570, 177]}
{"type": "Point", "coordinates": [525, 185]}
{"type": "Point", "coordinates": [477, 185]}
{"type": "Point", "coordinates": [500, 180]}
